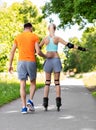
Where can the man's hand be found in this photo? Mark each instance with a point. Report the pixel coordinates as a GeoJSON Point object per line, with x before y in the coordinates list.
{"type": "Point", "coordinates": [10, 69]}
{"type": "Point", "coordinates": [38, 51]}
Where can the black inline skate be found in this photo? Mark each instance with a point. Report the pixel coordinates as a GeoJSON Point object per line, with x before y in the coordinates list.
{"type": "Point", "coordinates": [45, 103]}
{"type": "Point", "coordinates": [58, 103]}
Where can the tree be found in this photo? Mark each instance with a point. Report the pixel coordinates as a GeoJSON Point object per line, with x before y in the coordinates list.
{"type": "Point", "coordinates": [71, 11]}
{"type": "Point", "coordinates": [83, 61]}
{"type": "Point", "coordinates": [88, 40]}
{"type": "Point", "coordinates": [12, 19]}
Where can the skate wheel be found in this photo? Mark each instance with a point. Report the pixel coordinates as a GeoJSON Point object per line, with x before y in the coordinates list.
{"type": "Point", "coordinates": [58, 109]}
{"type": "Point", "coordinates": [45, 108]}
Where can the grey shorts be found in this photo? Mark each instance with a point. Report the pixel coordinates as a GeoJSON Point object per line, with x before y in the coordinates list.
{"type": "Point", "coordinates": [52, 65]}
{"type": "Point", "coordinates": [25, 69]}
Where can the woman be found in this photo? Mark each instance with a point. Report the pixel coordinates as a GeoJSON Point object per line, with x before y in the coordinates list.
{"type": "Point", "coordinates": [53, 63]}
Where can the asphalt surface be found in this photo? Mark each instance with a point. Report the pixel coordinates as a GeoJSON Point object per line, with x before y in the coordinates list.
{"type": "Point", "coordinates": [78, 111]}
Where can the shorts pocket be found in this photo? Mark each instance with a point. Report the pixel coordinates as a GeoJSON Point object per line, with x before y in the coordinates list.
{"type": "Point", "coordinates": [44, 63]}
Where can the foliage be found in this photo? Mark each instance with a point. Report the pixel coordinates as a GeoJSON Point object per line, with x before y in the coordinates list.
{"type": "Point", "coordinates": [83, 61]}
{"type": "Point", "coordinates": [39, 61]}
{"type": "Point", "coordinates": [12, 19]}
{"type": "Point", "coordinates": [71, 11]}
{"type": "Point", "coordinates": [3, 56]}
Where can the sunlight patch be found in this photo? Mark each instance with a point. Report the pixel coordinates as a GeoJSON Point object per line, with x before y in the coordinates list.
{"type": "Point", "coordinates": [39, 107]}
{"type": "Point", "coordinates": [66, 117]}
{"type": "Point", "coordinates": [11, 111]}
{"type": "Point", "coordinates": [87, 129]}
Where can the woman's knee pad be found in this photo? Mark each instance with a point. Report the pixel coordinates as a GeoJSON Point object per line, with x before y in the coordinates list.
{"type": "Point", "coordinates": [47, 82]}
{"type": "Point", "coordinates": [56, 82]}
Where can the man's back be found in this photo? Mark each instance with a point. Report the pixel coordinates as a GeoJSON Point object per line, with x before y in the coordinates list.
{"type": "Point", "coordinates": [26, 46]}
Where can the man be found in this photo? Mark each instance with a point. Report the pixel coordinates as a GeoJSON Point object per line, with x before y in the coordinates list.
{"type": "Point", "coordinates": [27, 44]}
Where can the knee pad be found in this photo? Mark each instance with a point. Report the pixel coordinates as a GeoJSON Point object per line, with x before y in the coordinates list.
{"type": "Point", "coordinates": [56, 82]}
{"type": "Point", "coordinates": [47, 82]}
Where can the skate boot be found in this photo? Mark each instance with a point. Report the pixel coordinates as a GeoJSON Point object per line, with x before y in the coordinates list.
{"type": "Point", "coordinates": [45, 103]}
{"type": "Point", "coordinates": [58, 103]}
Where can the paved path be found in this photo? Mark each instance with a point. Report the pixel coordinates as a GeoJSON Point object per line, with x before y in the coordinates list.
{"type": "Point", "coordinates": [78, 111]}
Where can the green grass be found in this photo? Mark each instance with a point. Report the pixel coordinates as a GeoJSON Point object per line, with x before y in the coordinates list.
{"type": "Point", "coordinates": [90, 83]}
{"type": "Point", "coordinates": [10, 89]}
{"type": "Point", "coordinates": [94, 94]}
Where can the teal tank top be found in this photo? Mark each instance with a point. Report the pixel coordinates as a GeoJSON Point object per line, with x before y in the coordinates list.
{"type": "Point", "coordinates": [51, 45]}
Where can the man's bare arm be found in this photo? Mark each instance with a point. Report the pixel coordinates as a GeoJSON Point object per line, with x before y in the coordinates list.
{"type": "Point", "coordinates": [38, 51]}
{"type": "Point", "coordinates": [12, 57]}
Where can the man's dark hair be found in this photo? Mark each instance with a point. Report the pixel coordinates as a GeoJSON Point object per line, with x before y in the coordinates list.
{"type": "Point", "coordinates": [27, 25]}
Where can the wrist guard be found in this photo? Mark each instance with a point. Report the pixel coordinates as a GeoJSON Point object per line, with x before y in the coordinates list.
{"type": "Point", "coordinates": [81, 48]}
{"type": "Point", "coordinates": [70, 45]}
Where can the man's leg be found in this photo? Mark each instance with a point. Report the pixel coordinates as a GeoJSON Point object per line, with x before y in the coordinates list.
{"type": "Point", "coordinates": [23, 92]}
{"type": "Point", "coordinates": [30, 103]}
{"type": "Point", "coordinates": [32, 88]}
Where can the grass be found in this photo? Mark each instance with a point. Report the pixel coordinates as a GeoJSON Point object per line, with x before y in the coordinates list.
{"type": "Point", "coordinates": [90, 82]}
{"type": "Point", "coordinates": [94, 94]}
{"type": "Point", "coordinates": [10, 88]}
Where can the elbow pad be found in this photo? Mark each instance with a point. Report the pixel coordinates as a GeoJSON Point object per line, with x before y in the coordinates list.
{"type": "Point", "coordinates": [70, 45]}
{"type": "Point", "coordinates": [81, 48]}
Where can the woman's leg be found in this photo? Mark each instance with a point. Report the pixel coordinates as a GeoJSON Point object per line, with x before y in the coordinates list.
{"type": "Point", "coordinates": [47, 84]}
{"type": "Point", "coordinates": [58, 90]}
{"type": "Point", "coordinates": [57, 83]}
{"type": "Point", "coordinates": [46, 90]}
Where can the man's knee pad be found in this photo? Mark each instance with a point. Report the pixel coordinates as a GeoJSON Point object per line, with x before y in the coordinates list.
{"type": "Point", "coordinates": [56, 82]}
{"type": "Point", "coordinates": [47, 82]}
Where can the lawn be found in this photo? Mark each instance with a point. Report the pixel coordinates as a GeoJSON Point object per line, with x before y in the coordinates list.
{"type": "Point", "coordinates": [10, 88]}
{"type": "Point", "coordinates": [90, 82]}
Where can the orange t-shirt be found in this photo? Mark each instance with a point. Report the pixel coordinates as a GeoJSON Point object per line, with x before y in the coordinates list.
{"type": "Point", "coordinates": [26, 46]}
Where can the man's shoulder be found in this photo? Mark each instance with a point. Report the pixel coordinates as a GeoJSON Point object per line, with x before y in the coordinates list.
{"type": "Point", "coordinates": [18, 35]}
{"type": "Point", "coordinates": [34, 34]}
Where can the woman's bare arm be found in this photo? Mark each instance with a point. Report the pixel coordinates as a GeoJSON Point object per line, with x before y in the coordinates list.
{"type": "Point", "coordinates": [70, 45]}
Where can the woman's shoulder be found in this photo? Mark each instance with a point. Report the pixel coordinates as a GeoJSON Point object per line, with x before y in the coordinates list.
{"type": "Point", "coordinates": [57, 37]}
{"type": "Point", "coordinates": [46, 40]}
